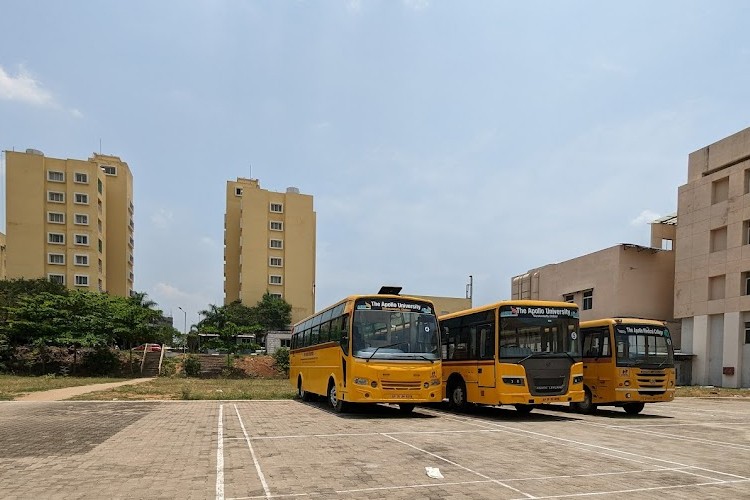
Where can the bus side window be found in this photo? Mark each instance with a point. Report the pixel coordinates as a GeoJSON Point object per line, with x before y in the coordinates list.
{"type": "Point", "coordinates": [486, 342]}
{"type": "Point", "coordinates": [605, 344]}
{"type": "Point", "coordinates": [588, 338]}
{"type": "Point", "coordinates": [343, 322]}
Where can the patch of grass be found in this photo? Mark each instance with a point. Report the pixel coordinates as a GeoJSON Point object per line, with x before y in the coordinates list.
{"type": "Point", "coordinates": [698, 391]}
{"type": "Point", "coordinates": [196, 389]}
{"type": "Point", "coordinates": [12, 386]}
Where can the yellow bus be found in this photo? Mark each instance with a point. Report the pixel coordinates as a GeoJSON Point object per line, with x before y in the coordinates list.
{"type": "Point", "coordinates": [520, 352]}
{"type": "Point", "coordinates": [626, 362]}
{"type": "Point", "coordinates": [382, 348]}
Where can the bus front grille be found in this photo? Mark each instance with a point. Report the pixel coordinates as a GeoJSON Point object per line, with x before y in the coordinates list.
{"type": "Point", "coordinates": [395, 385]}
{"type": "Point", "coordinates": [548, 386]}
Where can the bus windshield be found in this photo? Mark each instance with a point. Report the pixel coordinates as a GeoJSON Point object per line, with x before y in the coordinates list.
{"type": "Point", "coordinates": [644, 345]}
{"type": "Point", "coordinates": [381, 334]}
{"type": "Point", "coordinates": [525, 335]}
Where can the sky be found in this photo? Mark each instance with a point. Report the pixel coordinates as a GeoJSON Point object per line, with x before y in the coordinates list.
{"type": "Point", "coordinates": [440, 140]}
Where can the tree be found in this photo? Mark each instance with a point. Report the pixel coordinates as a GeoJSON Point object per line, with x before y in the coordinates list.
{"type": "Point", "coordinates": [273, 313]}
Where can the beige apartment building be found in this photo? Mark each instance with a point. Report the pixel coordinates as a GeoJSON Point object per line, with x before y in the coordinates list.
{"type": "Point", "coordinates": [70, 221]}
{"type": "Point", "coordinates": [269, 246]}
{"type": "Point", "coordinates": [623, 280]}
{"type": "Point", "coordinates": [712, 266]}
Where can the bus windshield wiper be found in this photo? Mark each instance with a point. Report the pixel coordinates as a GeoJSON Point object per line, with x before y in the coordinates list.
{"type": "Point", "coordinates": [383, 347]}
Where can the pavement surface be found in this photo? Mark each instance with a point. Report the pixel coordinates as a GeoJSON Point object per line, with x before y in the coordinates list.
{"type": "Point", "coordinates": [69, 392]}
{"type": "Point", "coordinates": [689, 448]}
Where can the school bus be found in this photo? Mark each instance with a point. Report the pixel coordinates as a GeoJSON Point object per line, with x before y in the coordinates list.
{"type": "Point", "coordinates": [520, 352]}
{"type": "Point", "coordinates": [627, 362]}
{"type": "Point", "coordinates": [382, 348]}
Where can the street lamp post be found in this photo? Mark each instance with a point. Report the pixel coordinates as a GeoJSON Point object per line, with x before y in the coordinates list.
{"type": "Point", "coordinates": [184, 329]}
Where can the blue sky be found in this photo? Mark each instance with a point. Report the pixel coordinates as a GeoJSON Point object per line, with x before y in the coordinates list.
{"type": "Point", "coordinates": [439, 139]}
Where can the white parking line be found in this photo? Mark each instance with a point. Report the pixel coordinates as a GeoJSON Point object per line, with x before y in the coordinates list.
{"type": "Point", "coordinates": [640, 490]}
{"type": "Point", "coordinates": [255, 458]}
{"type": "Point", "coordinates": [220, 456]}
{"type": "Point", "coordinates": [460, 466]}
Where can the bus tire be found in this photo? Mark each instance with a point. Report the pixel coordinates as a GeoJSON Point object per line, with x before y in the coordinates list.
{"type": "Point", "coordinates": [303, 394]}
{"type": "Point", "coordinates": [524, 409]}
{"type": "Point", "coordinates": [336, 403]}
{"type": "Point", "coordinates": [457, 395]}
{"type": "Point", "coordinates": [586, 406]}
{"type": "Point", "coordinates": [406, 407]}
{"type": "Point", "coordinates": [633, 408]}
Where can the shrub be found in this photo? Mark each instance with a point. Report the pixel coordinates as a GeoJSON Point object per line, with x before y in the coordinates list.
{"type": "Point", "coordinates": [169, 367]}
{"type": "Point", "coordinates": [281, 357]}
{"type": "Point", "coordinates": [102, 361]}
{"type": "Point", "coordinates": [191, 366]}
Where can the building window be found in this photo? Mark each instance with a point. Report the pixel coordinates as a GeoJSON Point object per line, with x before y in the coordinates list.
{"type": "Point", "coordinates": [109, 170]}
{"type": "Point", "coordinates": [718, 240]}
{"type": "Point", "coordinates": [277, 244]}
{"type": "Point", "coordinates": [56, 278]}
{"type": "Point", "coordinates": [55, 176]}
{"type": "Point", "coordinates": [238, 191]}
{"type": "Point", "coordinates": [101, 246]}
{"type": "Point", "coordinates": [747, 181]}
{"type": "Point", "coordinates": [274, 279]}
{"type": "Point", "coordinates": [277, 226]}
{"type": "Point", "coordinates": [277, 208]}
{"type": "Point", "coordinates": [720, 190]}
{"type": "Point", "coordinates": [56, 258]}
{"type": "Point", "coordinates": [99, 186]}
{"type": "Point", "coordinates": [82, 280]}
{"type": "Point", "coordinates": [56, 217]}
{"type": "Point", "coordinates": [745, 283]}
{"type": "Point", "coordinates": [81, 178]}
{"type": "Point", "coordinates": [82, 260]}
{"type": "Point", "coordinates": [55, 197]}
{"type": "Point", "coordinates": [717, 287]}
{"type": "Point", "coordinates": [99, 224]}
{"type": "Point", "coordinates": [274, 262]}
{"type": "Point", "coordinates": [276, 295]}
{"type": "Point", "coordinates": [569, 297]}
{"type": "Point", "coordinates": [666, 244]}
{"type": "Point", "coordinates": [588, 300]}
{"type": "Point", "coordinates": [82, 239]}
{"type": "Point", "coordinates": [747, 333]}
{"type": "Point", "coordinates": [746, 232]}
{"type": "Point", "coordinates": [82, 198]}
{"type": "Point", "coordinates": [56, 238]}
{"type": "Point", "coordinates": [82, 219]}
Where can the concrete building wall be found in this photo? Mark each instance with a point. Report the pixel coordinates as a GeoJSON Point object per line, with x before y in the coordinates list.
{"type": "Point", "coordinates": [269, 245]}
{"type": "Point", "coordinates": [712, 264]}
{"type": "Point", "coordinates": [447, 305]}
{"type": "Point", "coordinates": [624, 280]}
{"type": "Point", "coordinates": [57, 224]}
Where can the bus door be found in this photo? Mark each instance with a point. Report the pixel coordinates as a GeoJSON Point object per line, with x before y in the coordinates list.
{"type": "Point", "coordinates": [598, 368]}
{"type": "Point", "coordinates": [485, 344]}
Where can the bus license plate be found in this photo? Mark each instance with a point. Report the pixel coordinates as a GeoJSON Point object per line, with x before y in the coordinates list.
{"type": "Point", "coordinates": [402, 396]}
{"type": "Point", "coordinates": [547, 400]}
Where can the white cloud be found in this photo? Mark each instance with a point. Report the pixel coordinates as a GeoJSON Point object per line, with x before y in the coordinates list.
{"type": "Point", "coordinates": [162, 218]}
{"type": "Point", "coordinates": [645, 217]}
{"type": "Point", "coordinates": [417, 4]}
{"type": "Point", "coordinates": [23, 88]}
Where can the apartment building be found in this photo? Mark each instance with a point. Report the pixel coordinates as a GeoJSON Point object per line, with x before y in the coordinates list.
{"type": "Point", "coordinates": [70, 221]}
{"type": "Point", "coordinates": [269, 246]}
{"type": "Point", "coordinates": [712, 264]}
{"type": "Point", "coordinates": [623, 280]}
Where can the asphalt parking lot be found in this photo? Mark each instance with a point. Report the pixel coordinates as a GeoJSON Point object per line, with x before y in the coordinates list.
{"type": "Point", "coordinates": [691, 448]}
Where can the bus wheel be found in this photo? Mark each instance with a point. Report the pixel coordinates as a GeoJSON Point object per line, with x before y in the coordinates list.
{"type": "Point", "coordinates": [406, 407]}
{"type": "Point", "coordinates": [303, 394]}
{"type": "Point", "coordinates": [524, 409]}
{"type": "Point", "coordinates": [457, 395]}
{"type": "Point", "coordinates": [633, 408]}
{"type": "Point", "coordinates": [338, 405]}
{"type": "Point", "coordinates": [586, 406]}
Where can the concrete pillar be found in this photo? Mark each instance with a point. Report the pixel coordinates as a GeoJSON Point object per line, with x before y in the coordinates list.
{"type": "Point", "coordinates": [733, 342]}
{"type": "Point", "coordinates": [700, 349]}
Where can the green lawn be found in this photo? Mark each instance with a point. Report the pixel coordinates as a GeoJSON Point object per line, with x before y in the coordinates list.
{"type": "Point", "coordinates": [192, 388]}
{"type": "Point", "coordinates": [12, 386]}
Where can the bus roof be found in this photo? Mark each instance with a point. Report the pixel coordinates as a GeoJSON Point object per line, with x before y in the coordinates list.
{"type": "Point", "coordinates": [525, 303]}
{"type": "Point", "coordinates": [352, 298]}
{"type": "Point", "coordinates": [622, 320]}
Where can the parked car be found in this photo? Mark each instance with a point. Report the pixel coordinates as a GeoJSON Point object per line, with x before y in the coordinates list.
{"type": "Point", "coordinates": [148, 347]}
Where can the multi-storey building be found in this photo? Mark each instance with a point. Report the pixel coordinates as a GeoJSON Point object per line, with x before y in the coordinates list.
{"type": "Point", "coordinates": [712, 267]}
{"type": "Point", "coordinates": [269, 246]}
{"type": "Point", "coordinates": [70, 221]}
{"type": "Point", "coordinates": [623, 280]}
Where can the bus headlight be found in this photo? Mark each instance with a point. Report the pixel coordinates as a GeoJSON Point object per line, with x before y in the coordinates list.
{"type": "Point", "coordinates": [426, 385]}
{"type": "Point", "coordinates": [578, 379]}
{"type": "Point", "coordinates": [361, 381]}
{"type": "Point", "coordinates": [435, 381]}
{"type": "Point", "coordinates": [373, 384]}
{"type": "Point", "coordinates": [513, 380]}
{"type": "Point", "coordinates": [627, 383]}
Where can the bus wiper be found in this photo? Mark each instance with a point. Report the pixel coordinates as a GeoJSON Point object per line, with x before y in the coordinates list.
{"type": "Point", "coordinates": [383, 347]}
